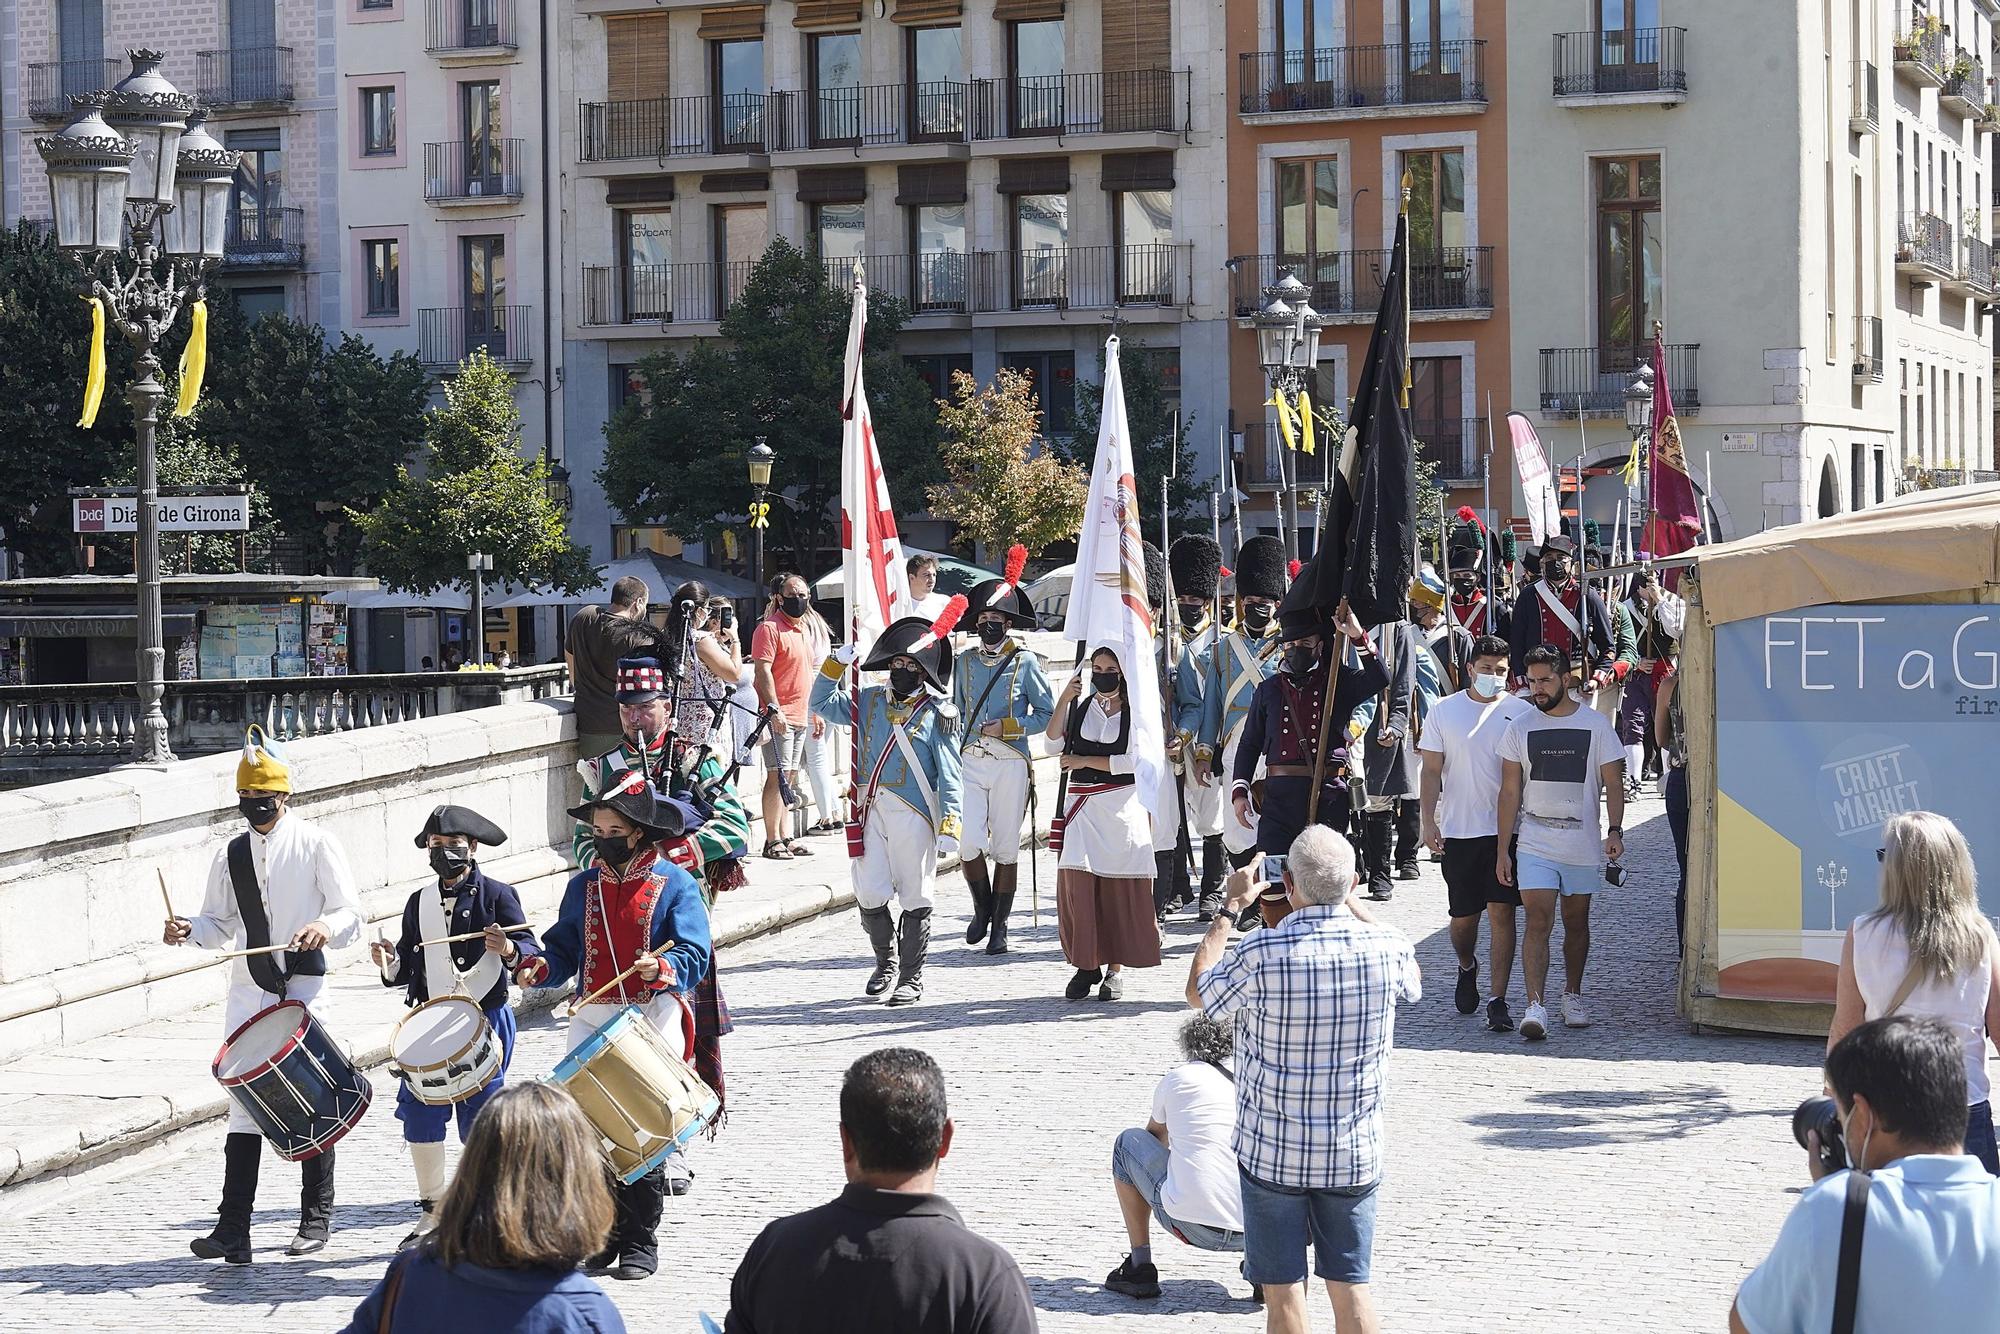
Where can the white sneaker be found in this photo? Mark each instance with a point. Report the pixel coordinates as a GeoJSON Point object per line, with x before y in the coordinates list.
{"type": "Point", "coordinates": [1574, 1014]}
{"type": "Point", "coordinates": [1535, 1022]}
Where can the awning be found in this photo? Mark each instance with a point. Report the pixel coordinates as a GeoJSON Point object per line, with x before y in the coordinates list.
{"type": "Point", "coordinates": [87, 624]}
{"type": "Point", "coordinates": [384, 599]}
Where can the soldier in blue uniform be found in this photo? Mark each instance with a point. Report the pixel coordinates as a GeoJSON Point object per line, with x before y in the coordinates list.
{"type": "Point", "coordinates": [907, 775]}
{"type": "Point", "coordinates": [1195, 562]}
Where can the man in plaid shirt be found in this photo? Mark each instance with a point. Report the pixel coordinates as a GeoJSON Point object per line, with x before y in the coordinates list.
{"type": "Point", "coordinates": [1316, 998]}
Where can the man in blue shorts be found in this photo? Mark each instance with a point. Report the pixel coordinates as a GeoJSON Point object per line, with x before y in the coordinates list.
{"type": "Point", "coordinates": [1557, 764]}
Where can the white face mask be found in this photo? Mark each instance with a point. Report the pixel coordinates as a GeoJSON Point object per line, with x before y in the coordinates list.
{"type": "Point", "coordinates": [1489, 684]}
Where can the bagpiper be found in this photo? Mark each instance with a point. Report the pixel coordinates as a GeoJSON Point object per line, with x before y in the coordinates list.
{"type": "Point", "coordinates": [1552, 611]}
{"type": "Point", "coordinates": [1003, 697]}
{"type": "Point", "coordinates": [907, 773]}
{"type": "Point", "coordinates": [1195, 562]}
{"type": "Point", "coordinates": [1230, 673]}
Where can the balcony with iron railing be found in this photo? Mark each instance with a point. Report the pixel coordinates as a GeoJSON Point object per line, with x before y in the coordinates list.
{"type": "Point", "coordinates": [48, 85]}
{"type": "Point", "coordinates": [1864, 116]}
{"type": "Point", "coordinates": [1065, 278]}
{"type": "Point", "coordinates": [1964, 87]}
{"type": "Point", "coordinates": [1924, 248]}
{"type": "Point", "coordinates": [447, 335]}
{"type": "Point", "coordinates": [1452, 445]}
{"type": "Point", "coordinates": [1591, 381]}
{"type": "Point", "coordinates": [268, 238]}
{"type": "Point", "coordinates": [1616, 67]}
{"type": "Point", "coordinates": [1058, 106]}
{"type": "Point", "coordinates": [649, 294]}
{"type": "Point", "coordinates": [459, 30]}
{"type": "Point", "coordinates": [1868, 349]}
{"type": "Point", "coordinates": [482, 171]}
{"type": "Point", "coordinates": [244, 77]}
{"type": "Point", "coordinates": [873, 116]}
{"type": "Point", "coordinates": [659, 128]}
{"type": "Point", "coordinates": [933, 283]}
{"type": "Point", "coordinates": [1920, 52]}
{"type": "Point", "coordinates": [1346, 285]}
{"type": "Point", "coordinates": [1974, 276]}
{"type": "Point", "coordinates": [1352, 82]}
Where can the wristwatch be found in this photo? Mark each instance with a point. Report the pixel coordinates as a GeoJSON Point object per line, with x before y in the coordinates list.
{"type": "Point", "coordinates": [1614, 829]}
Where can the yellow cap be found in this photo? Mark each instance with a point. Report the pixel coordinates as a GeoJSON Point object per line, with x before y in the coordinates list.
{"type": "Point", "coordinates": [263, 767]}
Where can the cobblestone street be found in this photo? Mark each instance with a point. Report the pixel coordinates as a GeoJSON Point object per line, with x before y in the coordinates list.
{"type": "Point", "coordinates": [1621, 1178]}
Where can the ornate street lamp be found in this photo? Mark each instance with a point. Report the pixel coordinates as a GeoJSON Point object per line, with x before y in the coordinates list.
{"type": "Point", "coordinates": [113, 173]}
{"type": "Point", "coordinates": [1288, 330]}
{"type": "Point", "coordinates": [760, 459]}
{"type": "Point", "coordinates": [1639, 421]}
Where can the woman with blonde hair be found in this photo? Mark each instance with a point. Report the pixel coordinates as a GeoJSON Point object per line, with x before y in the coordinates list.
{"type": "Point", "coordinates": [528, 1205]}
{"type": "Point", "coordinates": [1928, 951]}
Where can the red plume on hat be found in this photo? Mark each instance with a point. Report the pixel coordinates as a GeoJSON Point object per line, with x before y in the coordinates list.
{"type": "Point", "coordinates": [1017, 561]}
{"type": "Point", "coordinates": [1466, 514]}
{"type": "Point", "coordinates": [1292, 570]}
{"type": "Point", "coordinates": [942, 626]}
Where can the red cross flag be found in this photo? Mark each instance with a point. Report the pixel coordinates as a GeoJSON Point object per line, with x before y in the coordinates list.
{"type": "Point", "coordinates": [871, 559]}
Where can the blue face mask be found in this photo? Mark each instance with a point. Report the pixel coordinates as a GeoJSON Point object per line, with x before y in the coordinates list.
{"type": "Point", "coordinates": [1489, 683]}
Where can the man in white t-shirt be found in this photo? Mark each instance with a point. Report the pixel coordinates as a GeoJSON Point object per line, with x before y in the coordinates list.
{"type": "Point", "coordinates": [1181, 1169]}
{"type": "Point", "coordinates": [1461, 805]}
{"type": "Point", "coordinates": [1558, 762]}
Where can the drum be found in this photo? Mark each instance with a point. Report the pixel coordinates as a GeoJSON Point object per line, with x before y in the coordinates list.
{"type": "Point", "coordinates": [284, 1069]}
{"type": "Point", "coordinates": [640, 1095]}
{"type": "Point", "coordinates": [445, 1051]}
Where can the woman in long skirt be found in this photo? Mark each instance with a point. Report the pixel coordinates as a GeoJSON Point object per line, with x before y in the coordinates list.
{"type": "Point", "coordinates": [1104, 877]}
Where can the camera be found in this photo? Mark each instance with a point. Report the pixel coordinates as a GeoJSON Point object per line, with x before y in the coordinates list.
{"type": "Point", "coordinates": [1821, 1114]}
{"type": "Point", "coordinates": [1614, 874]}
{"type": "Point", "coordinates": [1273, 870]}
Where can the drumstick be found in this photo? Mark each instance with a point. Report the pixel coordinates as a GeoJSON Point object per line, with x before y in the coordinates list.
{"type": "Point", "coordinates": [578, 1005]}
{"type": "Point", "coordinates": [164, 898]}
{"type": "Point", "coordinates": [244, 954]}
{"type": "Point", "coordinates": [470, 935]}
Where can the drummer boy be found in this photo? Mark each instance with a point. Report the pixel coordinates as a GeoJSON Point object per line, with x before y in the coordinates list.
{"type": "Point", "coordinates": [464, 900]}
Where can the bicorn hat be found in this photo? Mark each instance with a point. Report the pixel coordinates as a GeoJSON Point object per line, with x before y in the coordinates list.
{"type": "Point", "coordinates": [924, 641]}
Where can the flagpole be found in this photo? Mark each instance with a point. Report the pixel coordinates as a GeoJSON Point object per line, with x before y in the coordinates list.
{"type": "Point", "coordinates": [1707, 511]}
{"type": "Point", "coordinates": [1486, 503]}
{"type": "Point", "coordinates": [1582, 581]}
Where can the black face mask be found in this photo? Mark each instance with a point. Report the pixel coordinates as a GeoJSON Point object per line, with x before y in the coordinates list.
{"type": "Point", "coordinates": [991, 632]}
{"type": "Point", "coordinates": [450, 863]}
{"type": "Point", "coordinates": [904, 681]}
{"type": "Point", "coordinates": [1256, 617]}
{"type": "Point", "coordinates": [615, 848]}
{"type": "Point", "coordinates": [793, 607]}
{"type": "Point", "coordinates": [1300, 658]}
{"type": "Point", "coordinates": [1192, 612]}
{"type": "Point", "coordinates": [1557, 572]}
{"type": "Point", "coordinates": [1107, 683]}
{"type": "Point", "coordinates": [258, 810]}
{"type": "Point", "coordinates": [1465, 588]}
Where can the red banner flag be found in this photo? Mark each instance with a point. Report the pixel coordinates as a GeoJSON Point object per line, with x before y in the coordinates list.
{"type": "Point", "coordinates": [1674, 523]}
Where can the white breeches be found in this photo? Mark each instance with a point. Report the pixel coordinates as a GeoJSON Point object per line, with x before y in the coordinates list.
{"type": "Point", "coordinates": [994, 795]}
{"type": "Point", "coordinates": [898, 856]}
{"type": "Point", "coordinates": [1238, 837]}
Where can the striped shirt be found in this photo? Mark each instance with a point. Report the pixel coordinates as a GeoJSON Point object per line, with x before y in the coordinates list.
{"type": "Point", "coordinates": [1315, 999]}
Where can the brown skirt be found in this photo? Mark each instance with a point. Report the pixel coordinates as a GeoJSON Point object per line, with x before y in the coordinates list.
{"type": "Point", "coordinates": [1106, 919]}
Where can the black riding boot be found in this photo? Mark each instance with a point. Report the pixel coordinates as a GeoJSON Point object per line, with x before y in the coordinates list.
{"type": "Point", "coordinates": [315, 1204]}
{"type": "Point", "coordinates": [1005, 876]}
{"type": "Point", "coordinates": [1409, 837]}
{"type": "Point", "coordinates": [1163, 884]}
{"type": "Point", "coordinates": [882, 935]}
{"type": "Point", "coordinates": [982, 898]}
{"type": "Point", "coordinates": [637, 1229]}
{"type": "Point", "coordinates": [913, 943]}
{"type": "Point", "coordinates": [241, 1155]}
{"type": "Point", "coordinates": [1378, 830]}
{"type": "Point", "coordinates": [1213, 868]}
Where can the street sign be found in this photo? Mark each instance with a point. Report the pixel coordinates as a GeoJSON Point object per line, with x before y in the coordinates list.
{"type": "Point", "coordinates": [178, 514]}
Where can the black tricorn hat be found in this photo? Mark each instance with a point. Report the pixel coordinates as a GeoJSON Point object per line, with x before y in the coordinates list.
{"type": "Point", "coordinates": [462, 820]}
{"type": "Point", "coordinates": [633, 796]}
{"type": "Point", "coordinates": [922, 640]}
{"type": "Point", "coordinates": [1562, 544]}
{"type": "Point", "coordinates": [1260, 568]}
{"type": "Point", "coordinates": [1196, 564]}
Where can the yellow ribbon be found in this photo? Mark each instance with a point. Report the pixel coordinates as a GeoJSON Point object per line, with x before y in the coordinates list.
{"type": "Point", "coordinates": [93, 384]}
{"type": "Point", "coordinates": [1632, 466]}
{"type": "Point", "coordinates": [194, 359]}
{"type": "Point", "coordinates": [1285, 426]}
{"type": "Point", "coordinates": [1306, 415]}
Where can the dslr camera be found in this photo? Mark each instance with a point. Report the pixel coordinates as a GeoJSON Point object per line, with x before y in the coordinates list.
{"type": "Point", "coordinates": [1822, 1114]}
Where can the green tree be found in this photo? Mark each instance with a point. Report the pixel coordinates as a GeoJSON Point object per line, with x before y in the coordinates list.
{"type": "Point", "coordinates": [1159, 435]}
{"type": "Point", "coordinates": [674, 455]}
{"type": "Point", "coordinates": [1004, 484]}
{"type": "Point", "coordinates": [477, 494]}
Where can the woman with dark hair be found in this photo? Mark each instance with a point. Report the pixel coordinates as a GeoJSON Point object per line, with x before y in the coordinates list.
{"type": "Point", "coordinates": [528, 1204]}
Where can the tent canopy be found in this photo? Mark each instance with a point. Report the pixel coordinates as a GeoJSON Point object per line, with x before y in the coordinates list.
{"type": "Point", "coordinates": [954, 575]}
{"type": "Point", "coordinates": [662, 574]}
{"type": "Point", "coordinates": [1912, 548]}
{"type": "Point", "coordinates": [448, 598]}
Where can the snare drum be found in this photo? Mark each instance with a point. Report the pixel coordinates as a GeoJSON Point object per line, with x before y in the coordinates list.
{"type": "Point", "coordinates": [445, 1051]}
{"type": "Point", "coordinates": [644, 1100]}
{"type": "Point", "coordinates": [285, 1070]}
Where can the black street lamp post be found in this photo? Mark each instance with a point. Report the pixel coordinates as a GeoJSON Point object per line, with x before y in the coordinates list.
{"type": "Point", "coordinates": [761, 457]}
{"type": "Point", "coordinates": [1288, 348]}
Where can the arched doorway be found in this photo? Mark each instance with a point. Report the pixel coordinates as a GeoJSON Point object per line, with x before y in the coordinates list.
{"type": "Point", "coordinates": [1829, 489]}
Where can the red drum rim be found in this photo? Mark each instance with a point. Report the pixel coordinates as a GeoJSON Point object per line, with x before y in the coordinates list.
{"type": "Point", "coordinates": [323, 1143]}
{"type": "Point", "coordinates": [298, 1032]}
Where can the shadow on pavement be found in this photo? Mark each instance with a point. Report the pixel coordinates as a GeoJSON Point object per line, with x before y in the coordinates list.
{"type": "Point", "coordinates": [1088, 1297]}
{"type": "Point", "coordinates": [1580, 1118]}
{"type": "Point", "coordinates": [273, 1278]}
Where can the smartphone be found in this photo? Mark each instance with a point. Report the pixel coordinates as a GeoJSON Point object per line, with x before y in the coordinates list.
{"type": "Point", "coordinates": [1274, 868]}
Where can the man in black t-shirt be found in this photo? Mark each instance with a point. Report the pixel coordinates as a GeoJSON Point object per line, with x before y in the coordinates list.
{"type": "Point", "coordinates": [889, 1253]}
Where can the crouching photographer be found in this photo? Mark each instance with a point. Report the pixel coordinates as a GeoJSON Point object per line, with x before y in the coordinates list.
{"type": "Point", "coordinates": [1910, 1240]}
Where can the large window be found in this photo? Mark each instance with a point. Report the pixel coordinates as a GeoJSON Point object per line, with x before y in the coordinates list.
{"type": "Point", "coordinates": [936, 370]}
{"type": "Point", "coordinates": [1307, 34]}
{"type": "Point", "coordinates": [736, 75]}
{"type": "Point", "coordinates": [1053, 375]}
{"type": "Point", "coordinates": [635, 57]}
{"type": "Point", "coordinates": [479, 105]}
{"type": "Point", "coordinates": [1146, 245]}
{"type": "Point", "coordinates": [836, 87]}
{"type": "Point", "coordinates": [378, 122]}
{"type": "Point", "coordinates": [483, 279]}
{"type": "Point", "coordinates": [1041, 243]}
{"type": "Point", "coordinates": [645, 244]}
{"type": "Point", "coordinates": [382, 259]}
{"type": "Point", "coordinates": [1308, 240]}
{"type": "Point", "coordinates": [937, 83]}
{"type": "Point", "coordinates": [840, 234]}
{"type": "Point", "coordinates": [80, 38]}
{"type": "Point", "coordinates": [742, 232]}
{"type": "Point", "coordinates": [937, 256]}
{"type": "Point", "coordinates": [1437, 409]}
{"type": "Point", "coordinates": [1437, 201]}
{"type": "Point", "coordinates": [1630, 251]}
{"type": "Point", "coordinates": [257, 191]}
{"type": "Point", "coordinates": [1035, 59]}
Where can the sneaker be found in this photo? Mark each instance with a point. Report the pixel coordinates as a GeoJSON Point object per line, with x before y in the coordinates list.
{"type": "Point", "coordinates": [1406, 871]}
{"type": "Point", "coordinates": [1113, 989]}
{"type": "Point", "coordinates": [1466, 995]}
{"type": "Point", "coordinates": [1208, 906]}
{"type": "Point", "coordinates": [1498, 1019]}
{"type": "Point", "coordinates": [1574, 1014]}
{"type": "Point", "coordinates": [1133, 1280]}
{"type": "Point", "coordinates": [1535, 1023]}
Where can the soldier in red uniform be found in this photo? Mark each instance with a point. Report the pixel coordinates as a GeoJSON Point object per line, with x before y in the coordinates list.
{"type": "Point", "coordinates": [1556, 610]}
{"type": "Point", "coordinates": [1466, 568]}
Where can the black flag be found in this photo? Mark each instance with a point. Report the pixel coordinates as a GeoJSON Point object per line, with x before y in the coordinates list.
{"type": "Point", "coordinates": [1367, 543]}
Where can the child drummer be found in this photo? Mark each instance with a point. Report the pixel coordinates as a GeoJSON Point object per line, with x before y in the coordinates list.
{"type": "Point", "coordinates": [464, 900]}
{"type": "Point", "coordinates": [630, 904]}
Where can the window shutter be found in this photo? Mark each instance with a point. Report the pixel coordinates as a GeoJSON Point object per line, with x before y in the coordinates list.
{"type": "Point", "coordinates": [635, 57]}
{"type": "Point", "coordinates": [1139, 171]}
{"type": "Point", "coordinates": [1010, 11]}
{"type": "Point", "coordinates": [735, 182]}
{"type": "Point", "coordinates": [833, 185]}
{"type": "Point", "coordinates": [627, 191]}
{"type": "Point", "coordinates": [1034, 175]}
{"type": "Point", "coordinates": [924, 13]}
{"type": "Point", "coordinates": [827, 15]}
{"type": "Point", "coordinates": [930, 183]}
{"type": "Point", "coordinates": [1137, 34]}
{"type": "Point", "coordinates": [736, 21]}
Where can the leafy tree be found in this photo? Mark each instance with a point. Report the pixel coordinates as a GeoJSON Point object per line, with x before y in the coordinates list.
{"type": "Point", "coordinates": [1001, 488]}
{"type": "Point", "coordinates": [1159, 436]}
{"type": "Point", "coordinates": [675, 454]}
{"type": "Point", "coordinates": [478, 494]}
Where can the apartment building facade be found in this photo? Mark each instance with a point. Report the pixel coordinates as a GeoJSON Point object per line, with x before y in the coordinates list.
{"type": "Point", "coordinates": [1021, 176]}
{"type": "Point", "coordinates": [1333, 104]}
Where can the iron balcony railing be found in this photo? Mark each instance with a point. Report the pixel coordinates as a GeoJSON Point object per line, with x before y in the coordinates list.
{"type": "Point", "coordinates": [877, 114]}
{"type": "Point", "coordinates": [1921, 51]}
{"type": "Point", "coordinates": [1964, 88]}
{"type": "Point", "coordinates": [1081, 277]}
{"type": "Point", "coordinates": [447, 335]}
{"type": "Point", "coordinates": [1865, 115]}
{"type": "Point", "coordinates": [1923, 240]}
{"type": "Point", "coordinates": [244, 76]}
{"type": "Point", "coordinates": [1452, 445]}
{"type": "Point", "coordinates": [1344, 78]}
{"type": "Point", "coordinates": [661, 293]}
{"type": "Point", "coordinates": [473, 170]}
{"type": "Point", "coordinates": [267, 238]}
{"type": "Point", "coordinates": [1591, 381]}
{"type": "Point", "coordinates": [1868, 348]}
{"type": "Point", "coordinates": [469, 25]}
{"type": "Point", "coordinates": [50, 84]}
{"type": "Point", "coordinates": [1349, 282]}
{"type": "Point", "coordinates": [1060, 105]}
{"type": "Point", "coordinates": [1640, 60]}
{"type": "Point", "coordinates": [1975, 267]}
{"type": "Point", "coordinates": [932, 283]}
{"type": "Point", "coordinates": [664, 127]}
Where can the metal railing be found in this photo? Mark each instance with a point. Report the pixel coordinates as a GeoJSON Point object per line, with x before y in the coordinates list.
{"type": "Point", "coordinates": [1452, 444]}
{"type": "Point", "coordinates": [662, 293]}
{"type": "Point", "coordinates": [49, 84]}
{"type": "Point", "coordinates": [473, 170]}
{"type": "Point", "coordinates": [468, 25]}
{"type": "Point", "coordinates": [1082, 277]}
{"type": "Point", "coordinates": [932, 283]}
{"type": "Point", "coordinates": [1349, 282]}
{"type": "Point", "coordinates": [876, 114]}
{"type": "Point", "coordinates": [1922, 49]}
{"type": "Point", "coordinates": [1923, 240]}
{"type": "Point", "coordinates": [1975, 268]}
{"type": "Point", "coordinates": [664, 127]}
{"type": "Point", "coordinates": [447, 335]}
{"type": "Point", "coordinates": [244, 76]}
{"type": "Point", "coordinates": [1344, 78]}
{"type": "Point", "coordinates": [1640, 60]}
{"type": "Point", "coordinates": [1865, 114]}
{"type": "Point", "coordinates": [1868, 348]}
{"type": "Point", "coordinates": [1591, 381]}
{"type": "Point", "coordinates": [1060, 105]}
{"type": "Point", "coordinates": [264, 238]}
{"type": "Point", "coordinates": [1964, 85]}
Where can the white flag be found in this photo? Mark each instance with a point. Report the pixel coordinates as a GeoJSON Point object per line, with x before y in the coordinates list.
{"type": "Point", "coordinates": [872, 577]}
{"type": "Point", "coordinates": [1107, 592]}
{"type": "Point", "coordinates": [1538, 488]}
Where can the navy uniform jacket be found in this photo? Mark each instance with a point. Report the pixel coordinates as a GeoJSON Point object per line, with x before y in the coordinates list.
{"type": "Point", "coordinates": [1281, 728]}
{"type": "Point", "coordinates": [482, 902]}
